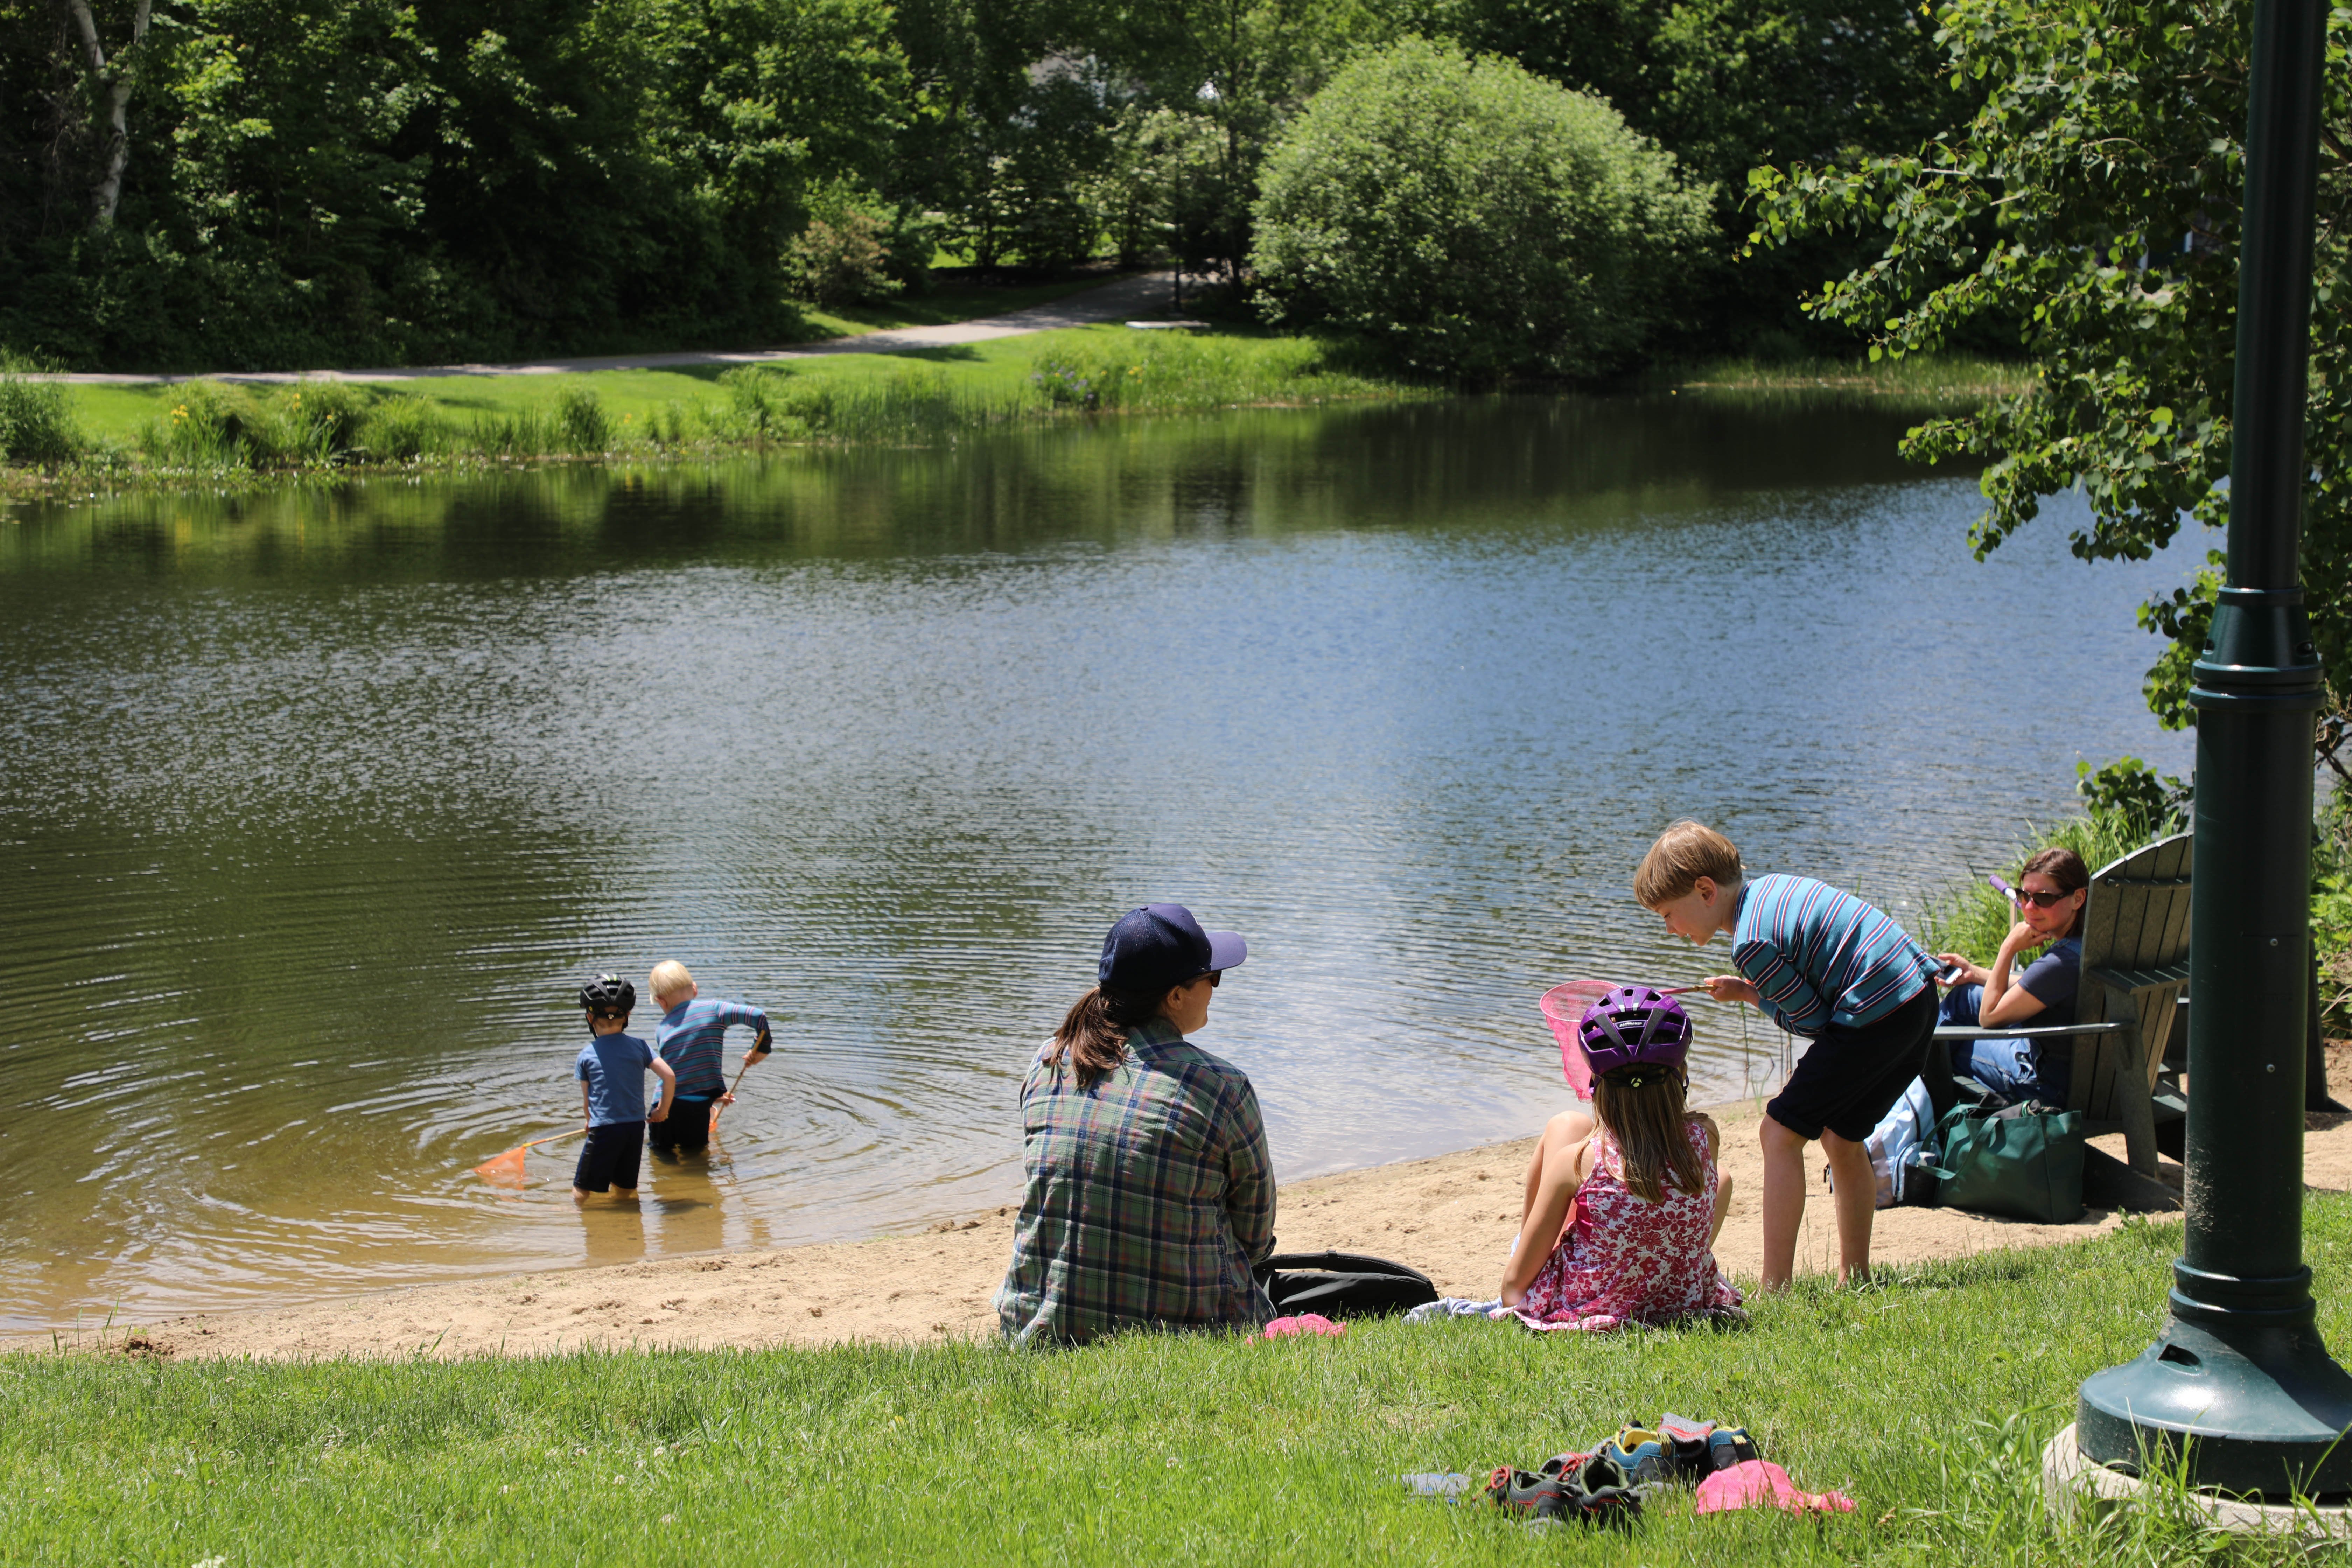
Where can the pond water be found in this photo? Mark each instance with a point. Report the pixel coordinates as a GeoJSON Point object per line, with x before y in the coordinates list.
{"type": "Point", "coordinates": [316, 808]}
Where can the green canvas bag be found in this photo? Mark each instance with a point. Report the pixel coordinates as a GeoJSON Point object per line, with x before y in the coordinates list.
{"type": "Point", "coordinates": [2021, 1163]}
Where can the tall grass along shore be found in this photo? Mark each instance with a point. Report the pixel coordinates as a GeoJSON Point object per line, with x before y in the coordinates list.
{"type": "Point", "coordinates": [1924, 1397]}
{"type": "Point", "coordinates": [210, 430]}
{"type": "Point", "coordinates": [57, 438]}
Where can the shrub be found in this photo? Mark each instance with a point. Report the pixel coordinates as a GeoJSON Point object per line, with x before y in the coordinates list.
{"type": "Point", "coordinates": [843, 260]}
{"type": "Point", "coordinates": [2139, 800]}
{"type": "Point", "coordinates": [37, 422]}
{"type": "Point", "coordinates": [213, 425]}
{"type": "Point", "coordinates": [579, 416]}
{"type": "Point", "coordinates": [403, 428]}
{"type": "Point", "coordinates": [201, 431]}
{"type": "Point", "coordinates": [759, 398]}
{"type": "Point", "coordinates": [332, 415]}
{"type": "Point", "coordinates": [1479, 220]}
{"type": "Point", "coordinates": [525, 433]}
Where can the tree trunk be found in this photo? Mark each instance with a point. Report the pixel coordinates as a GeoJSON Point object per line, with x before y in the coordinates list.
{"type": "Point", "coordinates": [113, 78]}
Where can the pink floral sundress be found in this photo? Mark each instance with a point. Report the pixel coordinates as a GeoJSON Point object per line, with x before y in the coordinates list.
{"type": "Point", "coordinates": [1626, 1261]}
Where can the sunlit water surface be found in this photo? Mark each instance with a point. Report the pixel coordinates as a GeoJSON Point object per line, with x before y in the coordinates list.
{"type": "Point", "coordinates": [315, 809]}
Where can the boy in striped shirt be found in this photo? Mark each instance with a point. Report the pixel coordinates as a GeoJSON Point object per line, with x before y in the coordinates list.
{"type": "Point", "coordinates": [689, 1037]}
{"type": "Point", "coordinates": [1825, 965]}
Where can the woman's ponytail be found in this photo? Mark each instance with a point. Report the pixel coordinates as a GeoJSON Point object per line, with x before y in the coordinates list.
{"type": "Point", "coordinates": [1092, 1040]}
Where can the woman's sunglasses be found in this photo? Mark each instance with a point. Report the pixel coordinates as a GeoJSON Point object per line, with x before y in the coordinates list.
{"type": "Point", "coordinates": [2039, 900]}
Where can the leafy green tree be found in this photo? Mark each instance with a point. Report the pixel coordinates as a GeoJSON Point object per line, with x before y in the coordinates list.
{"type": "Point", "coordinates": [262, 215]}
{"type": "Point", "coordinates": [1727, 85]}
{"type": "Point", "coordinates": [1163, 188]}
{"type": "Point", "coordinates": [2094, 195]}
{"type": "Point", "coordinates": [1236, 71]}
{"type": "Point", "coordinates": [1477, 219]}
{"type": "Point", "coordinates": [760, 104]}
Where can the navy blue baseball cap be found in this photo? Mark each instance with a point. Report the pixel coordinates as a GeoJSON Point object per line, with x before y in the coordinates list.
{"type": "Point", "coordinates": [1162, 945]}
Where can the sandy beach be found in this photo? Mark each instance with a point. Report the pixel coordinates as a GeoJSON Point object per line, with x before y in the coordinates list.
{"type": "Point", "coordinates": [1451, 1216]}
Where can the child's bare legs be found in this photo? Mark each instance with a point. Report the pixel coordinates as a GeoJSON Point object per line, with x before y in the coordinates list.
{"type": "Point", "coordinates": [1784, 1200]}
{"type": "Point", "coordinates": [1856, 1200]}
{"type": "Point", "coordinates": [1565, 1131]}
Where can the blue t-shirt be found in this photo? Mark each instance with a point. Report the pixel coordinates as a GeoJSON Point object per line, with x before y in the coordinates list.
{"type": "Point", "coordinates": [2052, 980]}
{"type": "Point", "coordinates": [613, 1068]}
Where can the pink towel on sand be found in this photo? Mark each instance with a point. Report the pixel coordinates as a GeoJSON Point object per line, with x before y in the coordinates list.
{"type": "Point", "coordinates": [1756, 1481]}
{"type": "Point", "coordinates": [1304, 1324]}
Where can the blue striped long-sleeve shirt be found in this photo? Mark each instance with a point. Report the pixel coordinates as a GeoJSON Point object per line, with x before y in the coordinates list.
{"type": "Point", "coordinates": [689, 1037]}
{"type": "Point", "coordinates": [1819, 957]}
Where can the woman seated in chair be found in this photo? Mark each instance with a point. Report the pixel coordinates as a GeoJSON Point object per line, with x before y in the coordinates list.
{"type": "Point", "coordinates": [2015, 993]}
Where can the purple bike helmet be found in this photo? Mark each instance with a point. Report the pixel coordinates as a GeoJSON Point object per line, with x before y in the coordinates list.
{"type": "Point", "coordinates": [1635, 1026]}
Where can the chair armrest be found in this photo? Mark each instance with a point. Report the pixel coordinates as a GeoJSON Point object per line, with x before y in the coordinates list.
{"type": "Point", "coordinates": [2047, 1031]}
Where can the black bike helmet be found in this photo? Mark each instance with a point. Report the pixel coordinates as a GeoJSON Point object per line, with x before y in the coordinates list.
{"type": "Point", "coordinates": [610, 992]}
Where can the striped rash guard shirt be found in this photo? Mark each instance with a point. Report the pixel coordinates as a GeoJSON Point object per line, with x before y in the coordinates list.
{"type": "Point", "coordinates": [1819, 957]}
{"type": "Point", "coordinates": [689, 1037]}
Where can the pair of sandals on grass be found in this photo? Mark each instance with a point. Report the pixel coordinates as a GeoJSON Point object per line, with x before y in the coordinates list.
{"type": "Point", "coordinates": [1608, 1485]}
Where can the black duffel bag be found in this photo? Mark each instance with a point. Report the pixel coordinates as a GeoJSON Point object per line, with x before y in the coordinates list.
{"type": "Point", "coordinates": [1342, 1284]}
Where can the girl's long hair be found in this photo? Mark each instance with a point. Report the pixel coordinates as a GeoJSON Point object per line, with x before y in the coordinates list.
{"type": "Point", "coordinates": [1643, 1109]}
{"type": "Point", "coordinates": [1093, 1036]}
{"type": "Point", "coordinates": [2064, 867]}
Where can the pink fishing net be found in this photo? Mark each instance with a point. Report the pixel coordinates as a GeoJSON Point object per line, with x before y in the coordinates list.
{"type": "Point", "coordinates": [1563, 1008]}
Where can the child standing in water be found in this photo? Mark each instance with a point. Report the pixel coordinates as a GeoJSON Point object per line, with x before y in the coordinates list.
{"type": "Point", "coordinates": [611, 1068]}
{"type": "Point", "coordinates": [689, 1039]}
{"type": "Point", "coordinates": [1825, 965]}
{"type": "Point", "coordinates": [1638, 1195]}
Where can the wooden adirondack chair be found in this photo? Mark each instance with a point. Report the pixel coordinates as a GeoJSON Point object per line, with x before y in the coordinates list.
{"type": "Point", "coordinates": [2135, 968]}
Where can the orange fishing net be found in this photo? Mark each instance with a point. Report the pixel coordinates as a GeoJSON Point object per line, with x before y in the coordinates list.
{"type": "Point", "coordinates": [505, 1170]}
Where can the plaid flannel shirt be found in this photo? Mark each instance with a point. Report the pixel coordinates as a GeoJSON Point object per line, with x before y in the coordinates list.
{"type": "Point", "coordinates": [1150, 1195]}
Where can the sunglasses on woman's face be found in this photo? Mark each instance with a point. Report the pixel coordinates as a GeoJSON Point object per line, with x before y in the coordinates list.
{"type": "Point", "coordinates": [1215, 975]}
{"type": "Point", "coordinates": [2039, 900]}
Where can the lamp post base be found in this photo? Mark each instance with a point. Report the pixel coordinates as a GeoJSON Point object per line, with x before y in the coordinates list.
{"type": "Point", "coordinates": [2070, 1481]}
{"type": "Point", "coordinates": [2257, 1408]}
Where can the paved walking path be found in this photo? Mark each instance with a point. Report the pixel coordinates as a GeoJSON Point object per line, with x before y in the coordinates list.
{"type": "Point", "coordinates": [1139, 296]}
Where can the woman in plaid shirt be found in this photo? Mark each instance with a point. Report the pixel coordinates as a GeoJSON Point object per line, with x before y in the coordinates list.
{"type": "Point", "coordinates": [1149, 1192]}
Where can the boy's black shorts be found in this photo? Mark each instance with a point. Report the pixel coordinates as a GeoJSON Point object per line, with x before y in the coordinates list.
{"type": "Point", "coordinates": [1850, 1077]}
{"type": "Point", "coordinates": [610, 1160]}
{"type": "Point", "coordinates": [686, 1129]}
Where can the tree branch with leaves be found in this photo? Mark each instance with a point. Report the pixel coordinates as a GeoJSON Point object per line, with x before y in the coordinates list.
{"type": "Point", "coordinates": [2095, 197]}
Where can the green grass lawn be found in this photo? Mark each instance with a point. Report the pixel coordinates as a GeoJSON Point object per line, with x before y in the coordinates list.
{"type": "Point", "coordinates": [1924, 1397]}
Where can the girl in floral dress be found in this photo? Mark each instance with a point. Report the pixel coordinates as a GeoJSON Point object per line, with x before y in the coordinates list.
{"type": "Point", "coordinates": [1620, 1219]}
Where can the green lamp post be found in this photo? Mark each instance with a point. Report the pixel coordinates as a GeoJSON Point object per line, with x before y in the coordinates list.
{"type": "Point", "coordinates": [2240, 1376]}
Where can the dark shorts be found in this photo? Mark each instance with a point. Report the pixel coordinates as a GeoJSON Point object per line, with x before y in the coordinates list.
{"type": "Point", "coordinates": [1850, 1077]}
{"type": "Point", "coordinates": [686, 1129]}
{"type": "Point", "coordinates": [610, 1160]}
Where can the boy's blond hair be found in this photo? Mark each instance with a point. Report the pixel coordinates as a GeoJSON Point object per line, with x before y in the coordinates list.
{"type": "Point", "coordinates": [669, 978]}
{"type": "Point", "coordinates": [1683, 854]}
